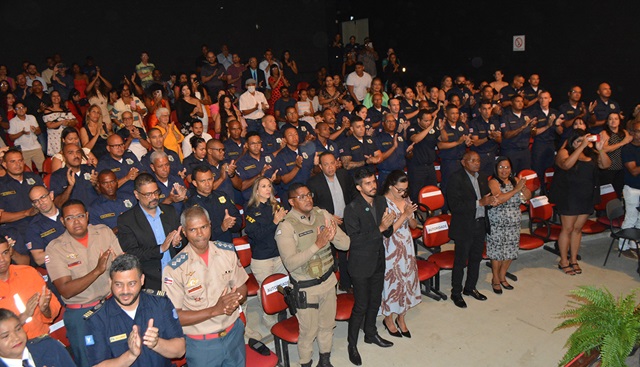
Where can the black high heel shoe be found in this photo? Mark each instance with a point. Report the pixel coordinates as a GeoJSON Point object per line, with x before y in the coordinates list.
{"type": "Point", "coordinates": [397, 334]}
{"type": "Point", "coordinates": [406, 334]}
{"type": "Point", "coordinates": [496, 288]}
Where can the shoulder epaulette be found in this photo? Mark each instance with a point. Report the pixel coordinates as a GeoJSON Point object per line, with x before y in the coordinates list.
{"type": "Point", "coordinates": [224, 245]}
{"type": "Point", "coordinates": [178, 260]}
{"type": "Point", "coordinates": [38, 339]}
{"type": "Point", "coordinates": [93, 311]}
{"type": "Point", "coordinates": [154, 292]}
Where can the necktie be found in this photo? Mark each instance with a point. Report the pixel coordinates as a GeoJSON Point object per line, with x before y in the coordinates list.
{"type": "Point", "coordinates": [255, 77]}
{"type": "Point", "coordinates": [25, 363]}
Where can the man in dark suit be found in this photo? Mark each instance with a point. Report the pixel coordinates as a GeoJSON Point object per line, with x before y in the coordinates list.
{"type": "Point", "coordinates": [366, 220]}
{"type": "Point", "coordinates": [468, 195]}
{"type": "Point", "coordinates": [150, 230]}
{"type": "Point", "coordinates": [332, 190]}
{"type": "Point", "coordinates": [255, 73]}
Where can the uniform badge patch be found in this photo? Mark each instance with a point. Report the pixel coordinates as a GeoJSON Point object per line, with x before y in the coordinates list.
{"type": "Point", "coordinates": [87, 176]}
{"type": "Point", "coordinates": [129, 161]}
{"type": "Point", "coordinates": [222, 199]}
{"type": "Point", "coordinates": [170, 158]}
{"type": "Point", "coordinates": [88, 340]}
{"type": "Point", "coordinates": [31, 181]}
{"type": "Point", "coordinates": [127, 203]}
{"type": "Point", "coordinates": [267, 159]}
{"type": "Point", "coordinates": [305, 155]}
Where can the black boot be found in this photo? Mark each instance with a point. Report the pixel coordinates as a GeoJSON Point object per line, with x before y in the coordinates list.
{"type": "Point", "coordinates": [325, 360]}
{"type": "Point", "coordinates": [308, 364]}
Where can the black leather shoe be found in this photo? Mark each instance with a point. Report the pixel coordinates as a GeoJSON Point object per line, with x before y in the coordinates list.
{"type": "Point", "coordinates": [458, 301]}
{"type": "Point", "coordinates": [354, 356]}
{"type": "Point", "coordinates": [475, 294]}
{"type": "Point", "coordinates": [377, 340]}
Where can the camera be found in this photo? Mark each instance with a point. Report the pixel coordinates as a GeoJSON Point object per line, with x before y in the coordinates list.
{"type": "Point", "coordinates": [593, 138]}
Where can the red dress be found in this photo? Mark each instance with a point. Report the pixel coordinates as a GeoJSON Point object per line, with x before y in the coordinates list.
{"type": "Point", "coordinates": [81, 86]}
{"type": "Point", "coordinates": [275, 93]}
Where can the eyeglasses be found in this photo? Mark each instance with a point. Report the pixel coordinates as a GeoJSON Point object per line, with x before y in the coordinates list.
{"type": "Point", "coordinates": [504, 167]}
{"type": "Point", "coordinates": [117, 145]}
{"type": "Point", "coordinates": [147, 195]}
{"type": "Point", "coordinates": [20, 108]}
{"type": "Point", "coordinates": [70, 218]}
{"type": "Point", "coordinates": [401, 190]}
{"type": "Point", "coordinates": [36, 201]}
{"type": "Point", "coordinates": [308, 195]}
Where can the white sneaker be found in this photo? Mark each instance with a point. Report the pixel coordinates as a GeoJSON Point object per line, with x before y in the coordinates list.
{"type": "Point", "coordinates": [627, 245]}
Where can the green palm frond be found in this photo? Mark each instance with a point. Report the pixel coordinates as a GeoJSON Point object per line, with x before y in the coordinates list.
{"type": "Point", "coordinates": [606, 323]}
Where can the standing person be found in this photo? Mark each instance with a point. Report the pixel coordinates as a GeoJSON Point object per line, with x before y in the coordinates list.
{"type": "Point", "coordinates": [145, 70]}
{"type": "Point", "coordinates": [631, 190]}
{"type": "Point", "coordinates": [98, 94]}
{"type": "Point", "coordinates": [310, 263]}
{"type": "Point", "coordinates": [358, 83]}
{"type": "Point", "coordinates": [504, 218]}
{"type": "Point", "coordinates": [150, 230]}
{"type": "Point", "coordinates": [401, 284]}
{"type": "Point", "coordinates": [263, 214]}
{"type": "Point", "coordinates": [148, 318]}
{"type": "Point", "coordinates": [276, 81]}
{"type": "Point", "coordinates": [77, 265]}
{"type": "Point", "coordinates": [56, 117]}
{"type": "Point", "coordinates": [575, 190]}
{"type": "Point", "coordinates": [24, 131]}
{"type": "Point", "coordinates": [516, 131]}
{"type": "Point", "coordinates": [468, 195]}
{"type": "Point", "coordinates": [206, 284]}
{"type": "Point", "coordinates": [366, 219]}
{"type": "Point", "coordinates": [614, 137]}
{"type": "Point", "coordinates": [424, 136]}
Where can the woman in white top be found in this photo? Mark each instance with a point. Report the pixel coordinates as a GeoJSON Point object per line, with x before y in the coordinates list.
{"type": "Point", "coordinates": [304, 106]}
{"type": "Point", "coordinates": [98, 94]}
{"type": "Point", "coordinates": [56, 117]}
{"type": "Point", "coordinates": [70, 135]}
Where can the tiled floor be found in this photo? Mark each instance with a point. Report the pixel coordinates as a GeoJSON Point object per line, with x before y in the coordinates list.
{"type": "Point", "coordinates": [512, 329]}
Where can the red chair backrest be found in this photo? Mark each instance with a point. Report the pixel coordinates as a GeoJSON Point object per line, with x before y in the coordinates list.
{"type": "Point", "coordinates": [431, 197]}
{"type": "Point", "coordinates": [435, 232]}
{"type": "Point", "coordinates": [272, 300]}
{"type": "Point", "coordinates": [241, 210]}
{"type": "Point", "coordinates": [548, 175]}
{"type": "Point", "coordinates": [607, 194]}
{"type": "Point", "coordinates": [47, 180]}
{"type": "Point", "coordinates": [543, 211]}
{"type": "Point", "coordinates": [243, 249]}
{"type": "Point", "coordinates": [533, 181]}
{"type": "Point", "coordinates": [46, 166]}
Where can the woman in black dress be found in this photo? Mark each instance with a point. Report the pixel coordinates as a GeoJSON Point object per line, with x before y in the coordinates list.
{"type": "Point", "coordinates": [575, 190]}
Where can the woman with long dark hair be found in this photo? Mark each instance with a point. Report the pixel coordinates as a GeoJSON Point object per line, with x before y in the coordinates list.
{"type": "Point", "coordinates": [228, 112]}
{"type": "Point", "coordinates": [56, 117]}
{"type": "Point", "coordinates": [401, 285]}
{"type": "Point", "coordinates": [70, 136]}
{"type": "Point", "coordinates": [504, 218]}
{"type": "Point", "coordinates": [575, 190]}
{"type": "Point", "coordinates": [614, 137]}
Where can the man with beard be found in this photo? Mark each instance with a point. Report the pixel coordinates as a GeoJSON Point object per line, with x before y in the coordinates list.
{"type": "Point", "coordinates": [150, 230]}
{"type": "Point", "coordinates": [148, 318]}
{"type": "Point", "coordinates": [75, 180]}
{"type": "Point", "coordinates": [366, 219]}
{"type": "Point", "coordinates": [197, 130]}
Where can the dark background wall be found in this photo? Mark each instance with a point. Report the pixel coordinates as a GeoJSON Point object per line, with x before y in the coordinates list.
{"type": "Point", "coordinates": [568, 42]}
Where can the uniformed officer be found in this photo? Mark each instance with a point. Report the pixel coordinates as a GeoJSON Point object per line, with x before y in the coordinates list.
{"type": "Point", "coordinates": [224, 171]}
{"type": "Point", "coordinates": [452, 143]}
{"type": "Point", "coordinates": [156, 138]}
{"type": "Point", "coordinates": [323, 141]}
{"type": "Point", "coordinates": [196, 158]}
{"type": "Point", "coordinates": [485, 136]}
{"type": "Point", "coordinates": [304, 129]}
{"type": "Point", "coordinates": [600, 109]}
{"type": "Point", "coordinates": [516, 131]}
{"type": "Point", "coordinates": [225, 217]}
{"type": "Point", "coordinates": [376, 112]}
{"type": "Point", "coordinates": [172, 190]}
{"type": "Point", "coordinates": [123, 163]}
{"type": "Point", "coordinates": [358, 150]}
{"type": "Point", "coordinates": [303, 242]}
{"type": "Point", "coordinates": [74, 180]}
{"type": "Point", "coordinates": [14, 192]}
{"type": "Point", "coordinates": [531, 92]}
{"type": "Point", "coordinates": [338, 130]}
{"type": "Point", "coordinates": [544, 135]}
{"type": "Point", "coordinates": [134, 327]}
{"type": "Point", "coordinates": [401, 120]}
{"type": "Point", "coordinates": [206, 284]}
{"type": "Point", "coordinates": [111, 202]}
{"type": "Point", "coordinates": [393, 147]}
{"type": "Point", "coordinates": [570, 111]}
{"type": "Point", "coordinates": [421, 171]}
{"type": "Point", "coordinates": [252, 164]}
{"type": "Point", "coordinates": [512, 90]}
{"type": "Point", "coordinates": [45, 226]}
{"type": "Point", "coordinates": [271, 137]}
{"type": "Point", "coordinates": [234, 145]}
{"type": "Point", "coordinates": [77, 262]}
{"type": "Point", "coordinates": [292, 165]}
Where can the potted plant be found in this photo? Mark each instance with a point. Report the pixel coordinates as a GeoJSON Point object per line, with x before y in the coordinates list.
{"type": "Point", "coordinates": [607, 325]}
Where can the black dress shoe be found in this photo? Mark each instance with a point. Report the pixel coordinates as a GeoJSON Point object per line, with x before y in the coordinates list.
{"type": "Point", "coordinates": [396, 334]}
{"type": "Point", "coordinates": [354, 356]}
{"type": "Point", "coordinates": [377, 340]}
{"type": "Point", "coordinates": [406, 334]}
{"type": "Point", "coordinates": [458, 301]}
{"type": "Point", "coordinates": [475, 294]}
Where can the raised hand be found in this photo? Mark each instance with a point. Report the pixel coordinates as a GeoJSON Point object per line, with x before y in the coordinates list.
{"type": "Point", "coordinates": [103, 261]}
{"type": "Point", "coordinates": [71, 177]}
{"type": "Point", "coordinates": [326, 234]}
{"type": "Point", "coordinates": [134, 342]}
{"type": "Point", "coordinates": [44, 300]}
{"type": "Point", "coordinates": [227, 303]}
{"type": "Point", "coordinates": [228, 221]}
{"type": "Point", "coordinates": [279, 215]}
{"type": "Point", "coordinates": [521, 183]}
{"type": "Point", "coordinates": [150, 337]}
{"type": "Point", "coordinates": [387, 219]}
{"type": "Point", "coordinates": [274, 175]}
{"type": "Point", "coordinates": [409, 209]}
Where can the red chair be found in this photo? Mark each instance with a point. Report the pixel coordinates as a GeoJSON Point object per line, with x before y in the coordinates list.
{"type": "Point", "coordinates": [540, 214]}
{"type": "Point", "coordinates": [286, 330]}
{"type": "Point", "coordinates": [46, 166]}
{"type": "Point", "coordinates": [243, 249]}
{"type": "Point", "coordinates": [255, 359]}
{"type": "Point", "coordinates": [344, 304]}
{"type": "Point", "coordinates": [548, 177]}
{"type": "Point", "coordinates": [430, 198]}
{"type": "Point", "coordinates": [429, 277]}
{"type": "Point", "coordinates": [58, 331]}
{"type": "Point", "coordinates": [436, 234]}
{"type": "Point", "coordinates": [47, 180]}
{"type": "Point", "coordinates": [533, 183]}
{"type": "Point", "coordinates": [607, 193]}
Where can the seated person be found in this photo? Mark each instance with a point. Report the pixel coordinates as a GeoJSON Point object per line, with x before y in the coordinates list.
{"type": "Point", "coordinates": [135, 139]}
{"type": "Point", "coordinates": [45, 226]}
{"type": "Point", "coordinates": [39, 352]}
{"type": "Point", "coordinates": [111, 202]}
{"type": "Point", "coordinates": [70, 136]}
{"type": "Point", "coordinates": [156, 139]}
{"type": "Point", "coordinates": [172, 190]}
{"type": "Point", "coordinates": [75, 180]}
{"type": "Point", "coordinates": [121, 162]}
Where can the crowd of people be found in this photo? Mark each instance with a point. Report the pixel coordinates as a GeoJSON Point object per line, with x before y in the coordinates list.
{"type": "Point", "coordinates": [128, 197]}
